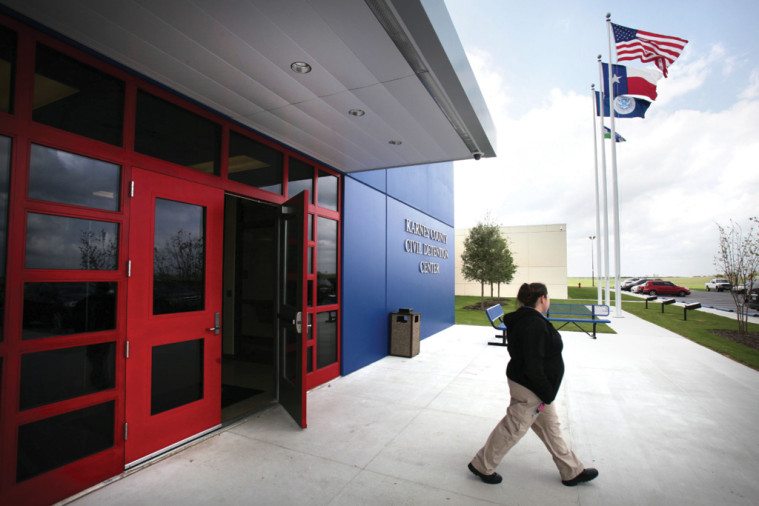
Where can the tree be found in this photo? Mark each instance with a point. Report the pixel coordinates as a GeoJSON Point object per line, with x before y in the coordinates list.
{"type": "Point", "coordinates": [486, 257]}
{"type": "Point", "coordinates": [738, 260]}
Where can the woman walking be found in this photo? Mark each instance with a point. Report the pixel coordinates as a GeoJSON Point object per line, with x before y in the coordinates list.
{"type": "Point", "coordinates": [534, 375]}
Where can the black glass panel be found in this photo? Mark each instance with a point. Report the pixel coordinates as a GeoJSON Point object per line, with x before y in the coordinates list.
{"type": "Point", "coordinates": [310, 359]}
{"type": "Point", "coordinates": [327, 184]}
{"type": "Point", "coordinates": [326, 339]}
{"type": "Point", "coordinates": [178, 257]}
{"type": "Point", "coordinates": [59, 242]}
{"type": "Point", "coordinates": [326, 269]}
{"type": "Point", "coordinates": [67, 178]}
{"type": "Point", "coordinates": [51, 376]}
{"type": "Point", "coordinates": [54, 442]}
{"type": "Point", "coordinates": [5, 169]}
{"type": "Point", "coordinates": [77, 98]}
{"type": "Point", "coordinates": [7, 68]}
{"type": "Point", "coordinates": [177, 375]}
{"type": "Point", "coordinates": [254, 164]}
{"type": "Point", "coordinates": [300, 177]}
{"type": "Point", "coordinates": [53, 309]}
{"type": "Point", "coordinates": [174, 134]}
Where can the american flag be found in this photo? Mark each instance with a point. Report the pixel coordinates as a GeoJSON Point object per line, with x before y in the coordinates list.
{"type": "Point", "coordinates": [634, 44]}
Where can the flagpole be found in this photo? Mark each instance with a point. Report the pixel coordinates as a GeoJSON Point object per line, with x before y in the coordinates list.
{"type": "Point", "coordinates": [603, 187]}
{"type": "Point", "coordinates": [595, 180]}
{"type": "Point", "coordinates": [614, 183]}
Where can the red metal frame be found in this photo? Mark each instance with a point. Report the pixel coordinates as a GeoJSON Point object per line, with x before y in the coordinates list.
{"type": "Point", "coordinates": [69, 479]}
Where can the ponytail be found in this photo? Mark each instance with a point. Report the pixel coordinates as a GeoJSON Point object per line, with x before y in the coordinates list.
{"type": "Point", "coordinates": [529, 294]}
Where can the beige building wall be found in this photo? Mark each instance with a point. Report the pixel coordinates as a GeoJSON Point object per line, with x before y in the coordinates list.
{"type": "Point", "coordinates": [540, 253]}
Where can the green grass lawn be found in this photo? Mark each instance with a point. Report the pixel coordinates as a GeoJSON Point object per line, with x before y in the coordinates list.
{"type": "Point", "coordinates": [478, 317]}
{"type": "Point", "coordinates": [698, 329]}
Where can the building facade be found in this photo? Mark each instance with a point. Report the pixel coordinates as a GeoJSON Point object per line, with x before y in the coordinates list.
{"type": "Point", "coordinates": [210, 207]}
{"type": "Point", "coordinates": [540, 253]}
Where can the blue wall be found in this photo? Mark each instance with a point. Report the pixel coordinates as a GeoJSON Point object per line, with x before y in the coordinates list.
{"type": "Point", "coordinates": [379, 275]}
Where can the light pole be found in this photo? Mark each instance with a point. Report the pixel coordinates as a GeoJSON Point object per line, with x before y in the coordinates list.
{"type": "Point", "coordinates": [592, 268]}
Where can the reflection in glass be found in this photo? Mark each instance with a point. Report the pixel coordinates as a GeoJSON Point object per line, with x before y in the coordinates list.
{"type": "Point", "coordinates": [300, 177]}
{"type": "Point", "coordinates": [177, 375]}
{"type": "Point", "coordinates": [7, 68]}
{"type": "Point", "coordinates": [54, 442]}
{"type": "Point", "coordinates": [254, 164]}
{"type": "Point", "coordinates": [326, 339]}
{"type": "Point", "coordinates": [51, 376]}
{"type": "Point", "coordinates": [178, 257]}
{"type": "Point", "coordinates": [67, 178]}
{"type": "Point", "coordinates": [327, 184]}
{"type": "Point", "coordinates": [76, 97]}
{"type": "Point", "coordinates": [326, 269]}
{"type": "Point", "coordinates": [54, 309]}
{"type": "Point", "coordinates": [171, 133]}
{"type": "Point", "coordinates": [59, 242]}
{"type": "Point", "coordinates": [5, 169]}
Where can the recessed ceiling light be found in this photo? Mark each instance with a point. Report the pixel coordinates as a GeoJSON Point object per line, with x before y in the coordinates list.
{"type": "Point", "coordinates": [395, 142]}
{"type": "Point", "coordinates": [356, 112]}
{"type": "Point", "coordinates": [300, 67]}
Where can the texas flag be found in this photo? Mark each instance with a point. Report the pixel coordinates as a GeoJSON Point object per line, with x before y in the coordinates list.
{"type": "Point", "coordinates": [632, 81]}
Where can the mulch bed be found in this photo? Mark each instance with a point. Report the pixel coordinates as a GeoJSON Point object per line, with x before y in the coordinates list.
{"type": "Point", "coordinates": [488, 303]}
{"type": "Point", "coordinates": [751, 339]}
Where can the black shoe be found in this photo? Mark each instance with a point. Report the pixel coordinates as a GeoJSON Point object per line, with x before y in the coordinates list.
{"type": "Point", "coordinates": [492, 479]}
{"type": "Point", "coordinates": [586, 475]}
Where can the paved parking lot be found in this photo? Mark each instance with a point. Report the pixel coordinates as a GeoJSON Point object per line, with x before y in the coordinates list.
{"type": "Point", "coordinates": [716, 300]}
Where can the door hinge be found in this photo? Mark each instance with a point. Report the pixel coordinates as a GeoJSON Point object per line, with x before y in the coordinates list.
{"type": "Point", "coordinates": [129, 268]}
{"type": "Point", "coordinates": [126, 431]}
{"type": "Point", "coordinates": [126, 350]}
{"type": "Point", "coordinates": [131, 188]}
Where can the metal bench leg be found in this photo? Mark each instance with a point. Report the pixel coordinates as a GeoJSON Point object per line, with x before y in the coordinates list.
{"type": "Point", "coordinates": [502, 337]}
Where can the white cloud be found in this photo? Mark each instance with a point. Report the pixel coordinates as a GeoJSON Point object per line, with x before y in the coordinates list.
{"type": "Point", "coordinates": [752, 90]}
{"type": "Point", "coordinates": [689, 74]}
{"type": "Point", "coordinates": [681, 172]}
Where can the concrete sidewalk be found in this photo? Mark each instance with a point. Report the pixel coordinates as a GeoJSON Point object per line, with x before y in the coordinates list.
{"type": "Point", "coordinates": [665, 421]}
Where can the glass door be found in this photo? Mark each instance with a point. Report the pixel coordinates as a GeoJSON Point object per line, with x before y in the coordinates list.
{"type": "Point", "coordinates": [291, 307]}
{"type": "Point", "coordinates": [173, 380]}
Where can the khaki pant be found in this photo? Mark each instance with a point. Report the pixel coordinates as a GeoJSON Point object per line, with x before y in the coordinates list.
{"type": "Point", "coordinates": [521, 415]}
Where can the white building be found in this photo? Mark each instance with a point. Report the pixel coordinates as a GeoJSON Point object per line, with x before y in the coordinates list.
{"type": "Point", "coordinates": [540, 253]}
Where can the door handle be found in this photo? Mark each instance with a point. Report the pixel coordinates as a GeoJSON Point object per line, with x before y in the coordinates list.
{"type": "Point", "coordinates": [216, 329]}
{"type": "Point", "coordinates": [298, 322]}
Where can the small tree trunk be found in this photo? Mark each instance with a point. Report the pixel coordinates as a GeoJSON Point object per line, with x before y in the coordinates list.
{"type": "Point", "coordinates": [491, 290]}
{"type": "Point", "coordinates": [499, 290]}
{"type": "Point", "coordinates": [482, 295]}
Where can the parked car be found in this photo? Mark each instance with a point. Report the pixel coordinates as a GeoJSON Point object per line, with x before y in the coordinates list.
{"type": "Point", "coordinates": [718, 284]}
{"type": "Point", "coordinates": [741, 288]}
{"type": "Point", "coordinates": [664, 288]}
{"type": "Point", "coordinates": [753, 299]}
{"type": "Point", "coordinates": [638, 285]}
{"type": "Point", "coordinates": [628, 283]}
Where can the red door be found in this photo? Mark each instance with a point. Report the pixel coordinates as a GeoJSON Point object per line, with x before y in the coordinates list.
{"type": "Point", "coordinates": [173, 373]}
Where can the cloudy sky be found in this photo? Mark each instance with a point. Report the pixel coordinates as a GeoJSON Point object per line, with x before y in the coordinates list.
{"type": "Point", "coordinates": [690, 164]}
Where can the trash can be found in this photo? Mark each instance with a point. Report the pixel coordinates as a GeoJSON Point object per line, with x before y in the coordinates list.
{"type": "Point", "coordinates": [404, 333]}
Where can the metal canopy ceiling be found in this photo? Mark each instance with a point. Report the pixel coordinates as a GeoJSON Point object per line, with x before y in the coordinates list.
{"type": "Point", "coordinates": [400, 61]}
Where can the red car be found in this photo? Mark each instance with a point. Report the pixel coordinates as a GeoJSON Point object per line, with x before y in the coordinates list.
{"type": "Point", "coordinates": [664, 288]}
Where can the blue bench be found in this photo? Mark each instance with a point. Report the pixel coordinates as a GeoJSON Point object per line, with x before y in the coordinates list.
{"type": "Point", "coordinates": [495, 315]}
{"type": "Point", "coordinates": [578, 313]}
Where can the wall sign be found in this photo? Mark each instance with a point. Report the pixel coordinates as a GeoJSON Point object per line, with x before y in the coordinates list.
{"type": "Point", "coordinates": [417, 247]}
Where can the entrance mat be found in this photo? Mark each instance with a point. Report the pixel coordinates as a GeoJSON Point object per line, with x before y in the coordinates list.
{"type": "Point", "coordinates": [231, 394]}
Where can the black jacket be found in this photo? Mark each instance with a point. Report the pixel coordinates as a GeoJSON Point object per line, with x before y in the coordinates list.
{"type": "Point", "coordinates": [535, 349]}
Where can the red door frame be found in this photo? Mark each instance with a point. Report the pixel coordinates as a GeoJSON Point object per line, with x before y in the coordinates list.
{"type": "Point", "coordinates": [19, 126]}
